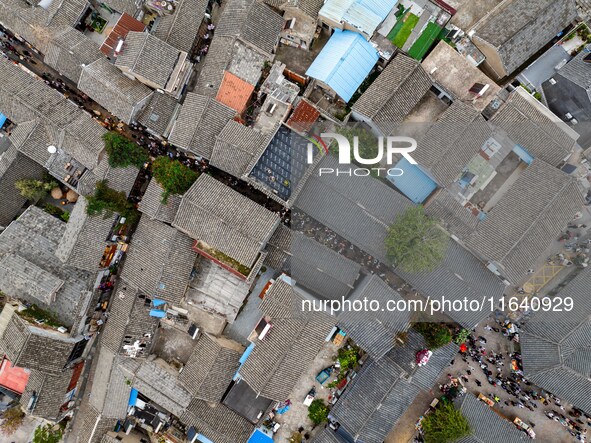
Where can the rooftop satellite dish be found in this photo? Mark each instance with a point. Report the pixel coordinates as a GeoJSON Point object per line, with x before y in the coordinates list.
{"type": "Point", "coordinates": [51, 149]}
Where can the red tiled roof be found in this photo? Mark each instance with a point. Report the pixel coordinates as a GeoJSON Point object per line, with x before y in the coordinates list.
{"type": "Point", "coordinates": [234, 92]}
{"type": "Point", "coordinates": [125, 24]}
{"type": "Point", "coordinates": [13, 377]}
{"type": "Point", "coordinates": [304, 116]}
{"type": "Point", "coordinates": [75, 375]}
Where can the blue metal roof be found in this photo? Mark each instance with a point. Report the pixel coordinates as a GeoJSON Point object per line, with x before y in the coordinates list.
{"type": "Point", "coordinates": [344, 63]}
{"type": "Point", "coordinates": [259, 437]}
{"type": "Point", "coordinates": [414, 183]}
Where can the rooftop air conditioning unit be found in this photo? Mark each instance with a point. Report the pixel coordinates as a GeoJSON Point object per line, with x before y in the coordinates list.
{"type": "Point", "coordinates": [552, 81]}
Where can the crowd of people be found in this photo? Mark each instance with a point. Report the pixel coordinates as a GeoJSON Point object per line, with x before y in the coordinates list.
{"type": "Point", "coordinates": [503, 370]}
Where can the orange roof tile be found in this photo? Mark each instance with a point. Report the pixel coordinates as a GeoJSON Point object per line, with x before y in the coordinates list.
{"type": "Point", "coordinates": [125, 24]}
{"type": "Point", "coordinates": [304, 116]}
{"type": "Point", "coordinates": [13, 377]}
{"type": "Point", "coordinates": [234, 92]}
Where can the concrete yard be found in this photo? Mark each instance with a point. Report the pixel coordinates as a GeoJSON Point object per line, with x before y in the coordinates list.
{"type": "Point", "coordinates": [297, 416]}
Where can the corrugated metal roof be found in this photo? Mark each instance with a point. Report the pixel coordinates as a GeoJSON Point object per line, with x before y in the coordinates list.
{"type": "Point", "coordinates": [344, 63]}
{"type": "Point", "coordinates": [413, 183]}
{"type": "Point", "coordinates": [365, 15]}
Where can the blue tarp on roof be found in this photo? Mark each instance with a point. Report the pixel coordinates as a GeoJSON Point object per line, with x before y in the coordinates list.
{"type": "Point", "coordinates": [523, 154]}
{"type": "Point", "coordinates": [157, 313]}
{"type": "Point", "coordinates": [2, 119]}
{"type": "Point", "coordinates": [203, 439]}
{"type": "Point", "coordinates": [344, 63]}
{"type": "Point", "coordinates": [246, 354]}
{"type": "Point", "coordinates": [133, 397]}
{"type": "Point", "coordinates": [414, 183]}
{"type": "Point", "coordinates": [156, 302]}
{"type": "Point", "coordinates": [259, 436]}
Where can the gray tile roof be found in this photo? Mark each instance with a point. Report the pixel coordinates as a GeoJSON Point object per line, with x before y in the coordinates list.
{"type": "Point", "coordinates": [374, 332]}
{"type": "Point", "coordinates": [384, 389]}
{"type": "Point", "coordinates": [210, 369]}
{"type": "Point", "coordinates": [278, 247]}
{"type": "Point", "coordinates": [251, 21]}
{"type": "Point", "coordinates": [277, 361]}
{"type": "Point", "coordinates": [50, 390]}
{"type": "Point", "coordinates": [217, 422]}
{"type": "Point", "coordinates": [519, 28]}
{"type": "Point", "coordinates": [14, 166]}
{"type": "Point", "coordinates": [451, 214]}
{"type": "Point", "coordinates": [110, 88]}
{"type": "Point", "coordinates": [327, 435]}
{"type": "Point", "coordinates": [554, 346]}
{"type": "Point", "coordinates": [34, 237]}
{"type": "Point", "coordinates": [85, 238]}
{"type": "Point", "coordinates": [151, 204]}
{"type": "Point", "coordinates": [48, 117]}
{"type": "Point", "coordinates": [237, 147]}
{"type": "Point", "coordinates": [525, 121]}
{"type": "Point", "coordinates": [120, 179]}
{"type": "Point", "coordinates": [485, 422]}
{"type": "Point", "coordinates": [361, 209]}
{"type": "Point", "coordinates": [69, 50]}
{"type": "Point", "coordinates": [158, 113]}
{"type": "Point", "coordinates": [215, 63]}
{"type": "Point", "coordinates": [396, 91]}
{"type": "Point", "coordinates": [159, 260]}
{"type": "Point", "coordinates": [520, 228]}
{"type": "Point", "coordinates": [34, 348]}
{"type": "Point", "coordinates": [450, 144]}
{"type": "Point", "coordinates": [66, 12]}
{"type": "Point", "coordinates": [313, 265]}
{"type": "Point", "coordinates": [119, 315]}
{"type": "Point", "coordinates": [577, 71]}
{"type": "Point", "coordinates": [225, 220]}
{"type": "Point", "coordinates": [148, 56]}
{"type": "Point", "coordinates": [180, 29]}
{"type": "Point", "coordinates": [162, 387]}
{"type": "Point", "coordinates": [199, 122]}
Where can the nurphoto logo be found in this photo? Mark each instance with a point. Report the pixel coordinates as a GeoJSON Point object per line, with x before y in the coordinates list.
{"type": "Point", "coordinates": [393, 145]}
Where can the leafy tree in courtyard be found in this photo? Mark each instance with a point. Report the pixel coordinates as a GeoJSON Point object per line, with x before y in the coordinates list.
{"type": "Point", "coordinates": [173, 176]}
{"type": "Point", "coordinates": [123, 152]}
{"type": "Point", "coordinates": [34, 189]}
{"type": "Point", "coordinates": [107, 200]}
{"type": "Point", "coordinates": [47, 434]}
{"type": "Point", "coordinates": [435, 334]}
{"type": "Point", "coordinates": [414, 242]}
{"type": "Point", "coordinates": [445, 425]}
{"type": "Point", "coordinates": [348, 358]}
{"type": "Point", "coordinates": [12, 419]}
{"type": "Point", "coordinates": [318, 412]}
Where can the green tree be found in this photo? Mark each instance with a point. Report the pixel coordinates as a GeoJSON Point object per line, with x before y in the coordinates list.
{"type": "Point", "coordinates": [461, 336]}
{"type": "Point", "coordinates": [318, 412]}
{"type": "Point", "coordinates": [107, 200]}
{"type": "Point", "coordinates": [435, 334]}
{"type": "Point", "coordinates": [34, 189]}
{"type": "Point", "coordinates": [123, 152]}
{"type": "Point", "coordinates": [414, 242]}
{"type": "Point", "coordinates": [348, 358]}
{"type": "Point", "coordinates": [173, 176]}
{"type": "Point", "coordinates": [12, 419]}
{"type": "Point", "coordinates": [47, 434]}
{"type": "Point", "coordinates": [445, 425]}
